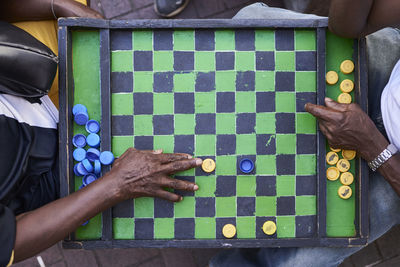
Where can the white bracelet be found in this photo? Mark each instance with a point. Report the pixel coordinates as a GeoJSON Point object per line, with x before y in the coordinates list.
{"type": "Point", "coordinates": [52, 10]}
{"type": "Point", "coordinates": [383, 157]}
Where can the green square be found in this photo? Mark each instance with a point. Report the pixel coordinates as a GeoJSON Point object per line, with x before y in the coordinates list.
{"type": "Point", "coordinates": [285, 185]}
{"type": "Point", "coordinates": [163, 61]}
{"type": "Point", "coordinates": [306, 123]}
{"type": "Point", "coordinates": [143, 40]}
{"type": "Point", "coordinates": [121, 61]}
{"type": "Point", "coordinates": [164, 142]}
{"type": "Point", "coordinates": [185, 208]}
{"type": "Point", "coordinates": [306, 81]}
{"type": "Point", "coordinates": [224, 40]}
{"type": "Point", "coordinates": [285, 226]}
{"type": "Point", "coordinates": [246, 227]}
{"type": "Point", "coordinates": [184, 124]}
{"type": "Point", "coordinates": [246, 186]}
{"type": "Point", "coordinates": [205, 145]}
{"type": "Point", "coordinates": [207, 186]}
{"type": "Point", "coordinates": [265, 81]}
{"type": "Point", "coordinates": [183, 40]}
{"type": "Point", "coordinates": [204, 61]}
{"type": "Point", "coordinates": [306, 205]}
{"type": "Point", "coordinates": [143, 125]}
{"type": "Point", "coordinates": [285, 144]}
{"type": "Point", "coordinates": [306, 164]}
{"type": "Point", "coordinates": [90, 231]}
{"type": "Point", "coordinates": [266, 164]}
{"type": "Point", "coordinates": [265, 40]}
{"type": "Point", "coordinates": [225, 206]}
{"type": "Point", "coordinates": [164, 228]}
{"type": "Point", "coordinates": [204, 228]}
{"type": "Point", "coordinates": [265, 123]}
{"type": "Point", "coordinates": [143, 82]}
{"type": "Point", "coordinates": [204, 102]}
{"type": "Point", "coordinates": [226, 123]}
{"type": "Point", "coordinates": [119, 144]}
{"type": "Point", "coordinates": [226, 165]}
{"type": "Point", "coordinates": [265, 206]}
{"type": "Point", "coordinates": [245, 102]}
{"type": "Point", "coordinates": [122, 104]}
{"type": "Point", "coordinates": [305, 40]}
{"type": "Point", "coordinates": [225, 81]}
{"type": "Point", "coordinates": [123, 228]}
{"type": "Point", "coordinates": [284, 61]}
{"type": "Point", "coordinates": [244, 61]}
{"type": "Point", "coordinates": [184, 82]}
{"type": "Point", "coordinates": [285, 102]}
{"type": "Point", "coordinates": [246, 144]}
{"type": "Point", "coordinates": [144, 207]}
{"type": "Point", "coordinates": [190, 172]}
{"type": "Point", "coordinates": [163, 103]}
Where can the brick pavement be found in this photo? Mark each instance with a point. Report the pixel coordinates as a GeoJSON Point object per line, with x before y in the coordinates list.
{"type": "Point", "coordinates": [382, 253]}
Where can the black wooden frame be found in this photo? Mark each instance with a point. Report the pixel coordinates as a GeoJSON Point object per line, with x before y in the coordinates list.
{"type": "Point", "coordinates": [66, 84]}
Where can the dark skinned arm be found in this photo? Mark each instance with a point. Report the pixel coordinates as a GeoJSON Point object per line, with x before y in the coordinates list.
{"type": "Point", "coordinates": [135, 174]}
{"type": "Point", "coordinates": [347, 126]}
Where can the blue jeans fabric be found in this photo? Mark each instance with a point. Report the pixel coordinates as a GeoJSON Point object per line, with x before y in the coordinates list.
{"type": "Point", "coordinates": [383, 49]}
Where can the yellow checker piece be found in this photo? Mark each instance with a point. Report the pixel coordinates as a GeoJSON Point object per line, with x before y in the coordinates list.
{"type": "Point", "coordinates": [229, 230]}
{"type": "Point", "coordinates": [349, 154]}
{"type": "Point", "coordinates": [208, 165]}
{"type": "Point", "coordinates": [332, 173]}
{"type": "Point", "coordinates": [269, 228]}
{"type": "Point", "coordinates": [346, 178]}
{"type": "Point", "coordinates": [332, 77]}
{"type": "Point", "coordinates": [345, 192]}
{"type": "Point", "coordinates": [344, 98]}
{"type": "Point", "coordinates": [337, 150]}
{"type": "Point", "coordinates": [343, 165]}
{"type": "Point", "coordinates": [346, 86]}
{"type": "Point", "coordinates": [332, 158]}
{"type": "Point", "coordinates": [347, 66]}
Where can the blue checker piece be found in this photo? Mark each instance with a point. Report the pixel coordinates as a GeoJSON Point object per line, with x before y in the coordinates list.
{"type": "Point", "coordinates": [81, 118]}
{"type": "Point", "coordinates": [93, 140]}
{"type": "Point", "coordinates": [79, 140]}
{"type": "Point", "coordinates": [88, 166]}
{"type": "Point", "coordinates": [79, 154]}
{"type": "Point", "coordinates": [79, 169]}
{"type": "Point", "coordinates": [106, 157]}
{"type": "Point", "coordinates": [97, 167]}
{"type": "Point", "coordinates": [246, 165]}
{"type": "Point", "coordinates": [92, 126]}
{"type": "Point", "coordinates": [92, 154]}
{"type": "Point", "coordinates": [79, 108]}
{"type": "Point", "coordinates": [88, 179]}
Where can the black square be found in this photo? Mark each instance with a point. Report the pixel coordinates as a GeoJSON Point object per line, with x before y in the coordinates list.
{"type": "Point", "coordinates": [245, 40]}
{"type": "Point", "coordinates": [205, 123]}
{"type": "Point", "coordinates": [142, 103]}
{"type": "Point", "coordinates": [266, 186]}
{"type": "Point", "coordinates": [184, 103]}
{"type": "Point", "coordinates": [219, 225]}
{"type": "Point", "coordinates": [184, 228]}
{"type": "Point", "coordinates": [225, 60]}
{"type": "Point", "coordinates": [184, 144]}
{"type": "Point", "coordinates": [225, 102]}
{"type": "Point", "coordinates": [285, 164]}
{"type": "Point", "coordinates": [304, 98]}
{"type": "Point", "coordinates": [205, 207]}
{"type": "Point", "coordinates": [163, 124]}
{"type": "Point", "coordinates": [245, 123]}
{"type": "Point", "coordinates": [284, 39]}
{"type": "Point", "coordinates": [120, 40]}
{"type": "Point", "coordinates": [245, 80]}
{"type": "Point", "coordinates": [306, 185]}
{"type": "Point", "coordinates": [306, 144]}
{"type": "Point", "coordinates": [259, 225]}
{"type": "Point", "coordinates": [163, 82]}
{"type": "Point", "coordinates": [265, 102]}
{"type": "Point", "coordinates": [240, 158]}
{"type": "Point", "coordinates": [123, 209]}
{"type": "Point", "coordinates": [183, 61]}
{"type": "Point", "coordinates": [122, 125]}
{"type": "Point", "coordinates": [306, 226]}
{"type": "Point", "coordinates": [285, 123]}
{"type": "Point", "coordinates": [226, 186]}
{"type": "Point", "coordinates": [266, 144]}
{"type": "Point", "coordinates": [285, 206]}
{"type": "Point", "coordinates": [265, 60]}
{"type": "Point", "coordinates": [306, 61]}
{"type": "Point", "coordinates": [284, 81]}
{"type": "Point", "coordinates": [205, 82]}
{"type": "Point", "coordinates": [199, 171]}
{"type": "Point", "coordinates": [143, 60]}
{"type": "Point", "coordinates": [226, 144]}
{"type": "Point", "coordinates": [204, 40]}
{"type": "Point", "coordinates": [163, 208]}
{"type": "Point", "coordinates": [163, 40]}
{"type": "Point", "coordinates": [144, 229]}
{"type": "Point", "coordinates": [121, 82]}
{"type": "Point", "coordinates": [183, 192]}
{"type": "Point", "coordinates": [144, 142]}
{"type": "Point", "coordinates": [246, 206]}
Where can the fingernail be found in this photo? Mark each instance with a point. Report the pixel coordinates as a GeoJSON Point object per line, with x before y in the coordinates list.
{"type": "Point", "coordinates": [195, 187]}
{"type": "Point", "coordinates": [328, 99]}
{"type": "Point", "coordinates": [199, 161]}
{"type": "Point", "coordinates": [190, 157]}
{"type": "Point", "coordinates": [181, 199]}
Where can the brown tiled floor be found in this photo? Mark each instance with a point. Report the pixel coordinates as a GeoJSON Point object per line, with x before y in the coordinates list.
{"type": "Point", "coordinates": [384, 252]}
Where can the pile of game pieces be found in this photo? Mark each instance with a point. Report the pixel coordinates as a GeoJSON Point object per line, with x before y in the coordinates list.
{"type": "Point", "coordinates": [347, 85]}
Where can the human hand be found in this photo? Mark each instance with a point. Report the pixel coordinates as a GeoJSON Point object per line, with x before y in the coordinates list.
{"type": "Point", "coordinates": [146, 173]}
{"type": "Point", "coordinates": [71, 8]}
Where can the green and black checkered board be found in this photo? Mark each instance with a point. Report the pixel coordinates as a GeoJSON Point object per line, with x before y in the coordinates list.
{"type": "Point", "coordinates": [225, 95]}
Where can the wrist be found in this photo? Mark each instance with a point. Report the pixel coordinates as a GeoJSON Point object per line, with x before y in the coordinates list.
{"type": "Point", "coordinates": [374, 147]}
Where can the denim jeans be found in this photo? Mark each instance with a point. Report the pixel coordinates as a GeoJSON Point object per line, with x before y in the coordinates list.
{"type": "Point", "coordinates": [383, 48]}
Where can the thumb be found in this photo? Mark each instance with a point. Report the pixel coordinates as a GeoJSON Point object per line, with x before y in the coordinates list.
{"type": "Point", "coordinates": [330, 103]}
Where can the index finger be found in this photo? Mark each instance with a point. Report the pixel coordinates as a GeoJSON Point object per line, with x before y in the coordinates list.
{"type": "Point", "coordinates": [181, 165]}
{"type": "Point", "coordinates": [321, 112]}
{"type": "Point", "coordinates": [168, 157]}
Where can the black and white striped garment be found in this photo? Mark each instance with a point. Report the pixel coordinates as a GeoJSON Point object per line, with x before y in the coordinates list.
{"type": "Point", "coordinates": [28, 162]}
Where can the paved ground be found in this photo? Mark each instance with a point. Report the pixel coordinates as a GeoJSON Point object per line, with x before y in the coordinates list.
{"type": "Point", "coordinates": [383, 252]}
